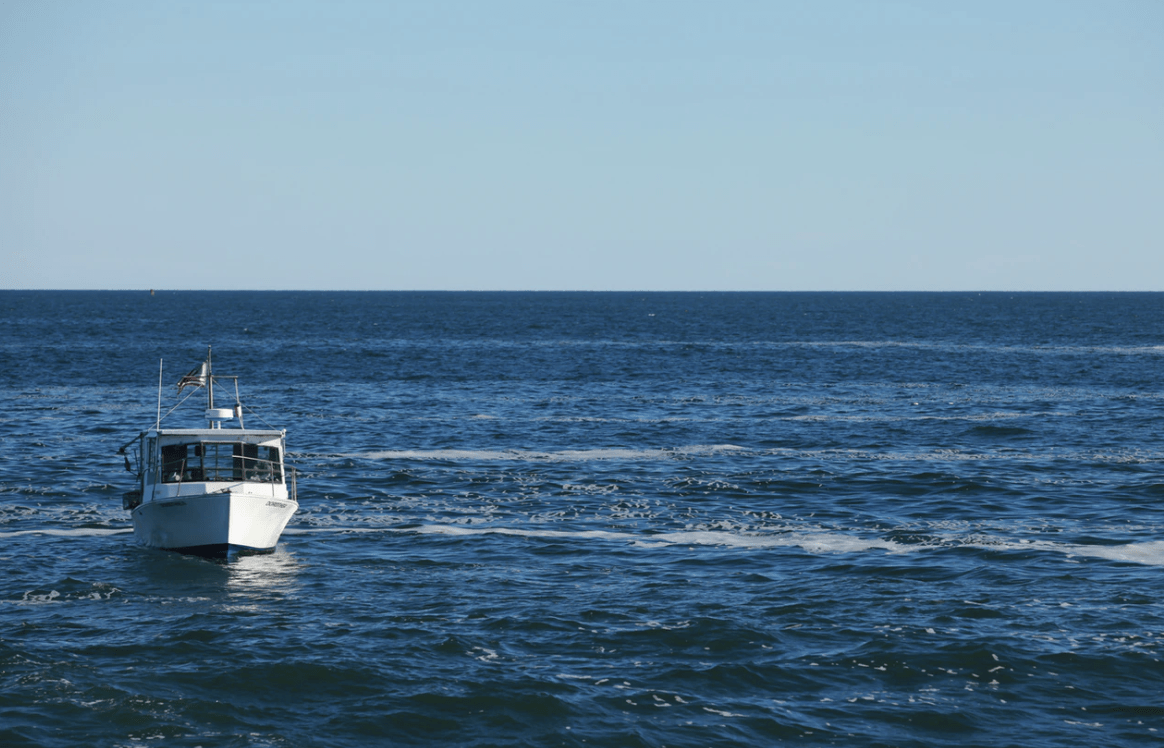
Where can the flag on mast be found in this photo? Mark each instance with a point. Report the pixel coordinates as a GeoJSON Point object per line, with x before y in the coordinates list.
{"type": "Point", "coordinates": [196, 378]}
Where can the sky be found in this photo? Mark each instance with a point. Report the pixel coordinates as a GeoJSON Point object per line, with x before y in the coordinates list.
{"type": "Point", "coordinates": [591, 145]}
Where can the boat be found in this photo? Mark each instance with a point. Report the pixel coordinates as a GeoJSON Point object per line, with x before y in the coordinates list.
{"type": "Point", "coordinates": [219, 491]}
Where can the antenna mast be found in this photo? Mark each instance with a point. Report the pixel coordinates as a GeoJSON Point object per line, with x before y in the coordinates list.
{"type": "Point", "coordinates": [158, 423]}
{"type": "Point", "coordinates": [209, 381]}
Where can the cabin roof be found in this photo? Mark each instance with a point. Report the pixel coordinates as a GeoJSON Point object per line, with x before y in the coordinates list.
{"type": "Point", "coordinates": [218, 433]}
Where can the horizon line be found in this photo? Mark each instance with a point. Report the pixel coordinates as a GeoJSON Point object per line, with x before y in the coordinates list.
{"type": "Point", "coordinates": [563, 290]}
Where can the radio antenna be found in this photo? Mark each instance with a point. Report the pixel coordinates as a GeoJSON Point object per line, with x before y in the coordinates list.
{"type": "Point", "coordinates": [158, 423]}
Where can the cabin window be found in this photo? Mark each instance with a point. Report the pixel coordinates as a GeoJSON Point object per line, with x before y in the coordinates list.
{"type": "Point", "coordinates": [216, 461]}
{"type": "Point", "coordinates": [257, 463]}
{"type": "Point", "coordinates": [151, 457]}
{"type": "Point", "coordinates": [245, 461]}
{"type": "Point", "coordinates": [270, 455]}
{"type": "Point", "coordinates": [181, 463]}
{"type": "Point", "coordinates": [220, 461]}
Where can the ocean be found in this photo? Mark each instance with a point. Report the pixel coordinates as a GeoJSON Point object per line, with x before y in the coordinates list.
{"type": "Point", "coordinates": [600, 519]}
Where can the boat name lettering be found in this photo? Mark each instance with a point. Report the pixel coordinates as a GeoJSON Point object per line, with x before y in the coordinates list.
{"type": "Point", "coordinates": [276, 503]}
{"type": "Point", "coordinates": [172, 503]}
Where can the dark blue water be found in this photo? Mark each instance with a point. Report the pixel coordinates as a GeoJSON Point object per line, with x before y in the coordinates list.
{"type": "Point", "coordinates": [627, 519]}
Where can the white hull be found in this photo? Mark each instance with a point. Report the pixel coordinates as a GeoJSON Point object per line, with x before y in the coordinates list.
{"type": "Point", "coordinates": [213, 523]}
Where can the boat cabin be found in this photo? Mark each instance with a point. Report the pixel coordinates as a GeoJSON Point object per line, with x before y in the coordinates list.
{"type": "Point", "coordinates": [172, 458]}
{"type": "Point", "coordinates": [213, 456]}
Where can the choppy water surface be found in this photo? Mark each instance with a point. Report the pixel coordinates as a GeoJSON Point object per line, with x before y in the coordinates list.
{"type": "Point", "coordinates": [601, 519]}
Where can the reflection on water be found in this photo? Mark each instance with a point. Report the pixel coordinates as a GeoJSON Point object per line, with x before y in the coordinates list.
{"type": "Point", "coordinates": [239, 581]}
{"type": "Point", "coordinates": [262, 574]}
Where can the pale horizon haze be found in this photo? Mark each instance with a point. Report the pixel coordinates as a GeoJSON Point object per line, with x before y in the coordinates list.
{"type": "Point", "coordinates": [835, 145]}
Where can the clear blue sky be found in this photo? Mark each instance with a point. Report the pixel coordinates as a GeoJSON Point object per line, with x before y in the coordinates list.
{"type": "Point", "coordinates": [727, 145]}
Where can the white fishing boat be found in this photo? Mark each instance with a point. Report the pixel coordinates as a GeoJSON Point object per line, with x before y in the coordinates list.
{"type": "Point", "coordinates": [216, 491]}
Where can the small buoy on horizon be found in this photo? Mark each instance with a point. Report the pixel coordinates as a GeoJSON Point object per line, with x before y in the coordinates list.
{"type": "Point", "coordinates": [151, 292]}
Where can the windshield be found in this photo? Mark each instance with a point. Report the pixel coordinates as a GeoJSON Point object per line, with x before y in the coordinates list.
{"type": "Point", "coordinates": [220, 461]}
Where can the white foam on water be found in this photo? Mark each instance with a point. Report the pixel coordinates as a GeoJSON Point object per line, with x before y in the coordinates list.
{"type": "Point", "coordinates": [567, 455]}
{"type": "Point", "coordinates": [722, 713]}
{"type": "Point", "coordinates": [816, 542]}
{"type": "Point", "coordinates": [1150, 553]}
{"type": "Point", "coordinates": [70, 533]}
{"type": "Point", "coordinates": [819, 542]}
{"type": "Point", "coordinates": [461, 530]}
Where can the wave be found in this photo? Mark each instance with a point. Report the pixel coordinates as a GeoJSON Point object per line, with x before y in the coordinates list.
{"type": "Point", "coordinates": [986, 418]}
{"type": "Point", "coordinates": [1150, 553]}
{"type": "Point", "coordinates": [79, 532]}
{"type": "Point", "coordinates": [567, 455]}
{"type": "Point", "coordinates": [1132, 455]}
{"type": "Point", "coordinates": [818, 542]}
{"type": "Point", "coordinates": [998, 431]}
{"type": "Point", "coordinates": [1125, 350]}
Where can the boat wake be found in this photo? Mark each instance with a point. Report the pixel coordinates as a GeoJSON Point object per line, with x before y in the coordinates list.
{"type": "Point", "coordinates": [816, 542]}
